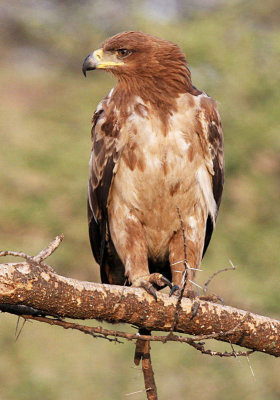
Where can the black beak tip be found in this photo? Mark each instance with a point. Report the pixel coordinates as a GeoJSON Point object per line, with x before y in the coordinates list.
{"type": "Point", "coordinates": [89, 64]}
{"type": "Point", "coordinates": [85, 66]}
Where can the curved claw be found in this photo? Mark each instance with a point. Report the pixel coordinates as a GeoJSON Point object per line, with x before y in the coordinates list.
{"type": "Point", "coordinates": [194, 309]}
{"type": "Point", "coordinates": [149, 289]}
{"type": "Point", "coordinates": [173, 290]}
{"type": "Point", "coordinates": [166, 282]}
{"type": "Point", "coordinates": [152, 291]}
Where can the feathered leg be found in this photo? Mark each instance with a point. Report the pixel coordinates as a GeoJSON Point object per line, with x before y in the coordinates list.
{"type": "Point", "coordinates": [129, 240]}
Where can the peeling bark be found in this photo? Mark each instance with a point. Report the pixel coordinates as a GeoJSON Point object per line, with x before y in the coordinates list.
{"type": "Point", "coordinates": [42, 289]}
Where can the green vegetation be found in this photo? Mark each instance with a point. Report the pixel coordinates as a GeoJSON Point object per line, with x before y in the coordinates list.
{"type": "Point", "coordinates": [233, 50]}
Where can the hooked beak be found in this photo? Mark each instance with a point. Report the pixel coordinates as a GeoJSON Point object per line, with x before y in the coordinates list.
{"type": "Point", "coordinates": [100, 60]}
{"type": "Point", "coordinates": [91, 61]}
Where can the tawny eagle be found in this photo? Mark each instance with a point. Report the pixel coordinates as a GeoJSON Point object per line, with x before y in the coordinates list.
{"type": "Point", "coordinates": [156, 167]}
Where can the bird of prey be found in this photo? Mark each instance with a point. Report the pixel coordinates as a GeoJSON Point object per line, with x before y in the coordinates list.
{"type": "Point", "coordinates": [156, 168]}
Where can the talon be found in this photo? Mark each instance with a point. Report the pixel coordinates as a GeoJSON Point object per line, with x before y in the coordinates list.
{"type": "Point", "coordinates": [173, 290]}
{"type": "Point", "coordinates": [194, 309]}
{"type": "Point", "coordinates": [166, 282]}
{"type": "Point", "coordinates": [153, 292]}
{"type": "Point", "coordinates": [159, 280]}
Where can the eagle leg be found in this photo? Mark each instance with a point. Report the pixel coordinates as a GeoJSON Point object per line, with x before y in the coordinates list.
{"type": "Point", "coordinates": [131, 247]}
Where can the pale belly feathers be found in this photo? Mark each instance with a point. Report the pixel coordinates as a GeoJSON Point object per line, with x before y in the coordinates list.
{"type": "Point", "coordinates": [161, 176]}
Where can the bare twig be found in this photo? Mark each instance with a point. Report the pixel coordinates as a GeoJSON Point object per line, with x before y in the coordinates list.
{"type": "Point", "coordinates": [37, 260]}
{"type": "Point", "coordinates": [200, 347]}
{"type": "Point", "coordinates": [184, 276]}
{"type": "Point", "coordinates": [28, 258]}
{"type": "Point", "coordinates": [46, 252]}
{"type": "Point", "coordinates": [112, 335]}
{"type": "Point", "coordinates": [206, 284]}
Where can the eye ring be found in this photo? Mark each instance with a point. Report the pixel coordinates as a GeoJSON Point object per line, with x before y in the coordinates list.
{"type": "Point", "coordinates": [122, 53]}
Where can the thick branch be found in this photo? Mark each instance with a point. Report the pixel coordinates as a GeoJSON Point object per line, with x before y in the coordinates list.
{"type": "Point", "coordinates": [55, 295]}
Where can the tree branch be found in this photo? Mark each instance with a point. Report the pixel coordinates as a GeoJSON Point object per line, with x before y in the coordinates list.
{"type": "Point", "coordinates": [149, 379]}
{"type": "Point", "coordinates": [33, 284]}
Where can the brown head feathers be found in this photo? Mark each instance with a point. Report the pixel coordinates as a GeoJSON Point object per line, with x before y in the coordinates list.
{"type": "Point", "coordinates": [153, 69]}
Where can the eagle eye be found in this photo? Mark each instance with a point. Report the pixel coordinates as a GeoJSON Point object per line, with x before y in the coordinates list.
{"type": "Point", "coordinates": [122, 53]}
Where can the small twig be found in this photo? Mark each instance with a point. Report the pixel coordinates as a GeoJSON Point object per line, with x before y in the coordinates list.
{"type": "Point", "coordinates": [184, 277]}
{"type": "Point", "coordinates": [46, 252]}
{"type": "Point", "coordinates": [20, 254]}
{"type": "Point", "coordinates": [206, 284]}
{"type": "Point", "coordinates": [99, 332]}
{"type": "Point", "coordinates": [200, 347]}
{"type": "Point", "coordinates": [29, 259]}
{"type": "Point", "coordinates": [37, 260]}
{"type": "Point", "coordinates": [96, 332]}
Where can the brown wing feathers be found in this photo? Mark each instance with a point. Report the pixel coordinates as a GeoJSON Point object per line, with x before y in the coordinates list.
{"type": "Point", "coordinates": [102, 163]}
{"type": "Point", "coordinates": [216, 143]}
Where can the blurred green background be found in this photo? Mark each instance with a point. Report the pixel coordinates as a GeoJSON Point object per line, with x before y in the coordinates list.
{"type": "Point", "coordinates": [46, 105]}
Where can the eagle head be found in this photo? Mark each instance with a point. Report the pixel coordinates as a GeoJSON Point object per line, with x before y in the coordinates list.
{"type": "Point", "coordinates": [138, 55]}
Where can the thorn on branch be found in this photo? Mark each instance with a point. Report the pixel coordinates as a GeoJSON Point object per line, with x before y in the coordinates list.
{"type": "Point", "coordinates": [17, 335]}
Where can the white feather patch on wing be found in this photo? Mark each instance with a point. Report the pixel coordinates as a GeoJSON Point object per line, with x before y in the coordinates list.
{"type": "Point", "coordinates": [204, 182]}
